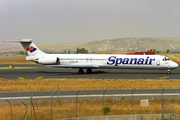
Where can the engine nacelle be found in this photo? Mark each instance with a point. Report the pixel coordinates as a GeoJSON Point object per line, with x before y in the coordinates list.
{"type": "Point", "coordinates": [30, 58]}
{"type": "Point", "coordinates": [47, 61]}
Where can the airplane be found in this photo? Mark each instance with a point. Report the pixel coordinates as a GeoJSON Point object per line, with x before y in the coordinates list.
{"type": "Point", "coordinates": [96, 61]}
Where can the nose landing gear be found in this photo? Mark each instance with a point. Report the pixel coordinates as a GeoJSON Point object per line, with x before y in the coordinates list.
{"type": "Point", "coordinates": [168, 71]}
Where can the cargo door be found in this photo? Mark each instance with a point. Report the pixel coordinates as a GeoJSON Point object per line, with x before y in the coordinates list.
{"type": "Point", "coordinates": [158, 62]}
{"type": "Point", "coordinates": [58, 61]}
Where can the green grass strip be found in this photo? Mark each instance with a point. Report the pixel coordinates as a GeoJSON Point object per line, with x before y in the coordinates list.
{"type": "Point", "coordinates": [18, 68]}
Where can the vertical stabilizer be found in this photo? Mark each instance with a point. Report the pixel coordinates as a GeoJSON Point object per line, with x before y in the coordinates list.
{"type": "Point", "coordinates": [29, 46]}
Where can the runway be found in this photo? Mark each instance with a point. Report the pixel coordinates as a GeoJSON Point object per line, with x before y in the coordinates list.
{"type": "Point", "coordinates": [65, 95]}
{"type": "Point", "coordinates": [48, 72]}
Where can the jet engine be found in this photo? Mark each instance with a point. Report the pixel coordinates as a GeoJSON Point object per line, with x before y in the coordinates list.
{"type": "Point", "coordinates": [47, 61]}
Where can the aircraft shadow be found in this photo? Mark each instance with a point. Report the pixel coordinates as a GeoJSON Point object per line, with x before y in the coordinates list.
{"type": "Point", "coordinates": [104, 72]}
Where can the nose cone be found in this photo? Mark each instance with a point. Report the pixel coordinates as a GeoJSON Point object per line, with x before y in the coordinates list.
{"type": "Point", "coordinates": [174, 65]}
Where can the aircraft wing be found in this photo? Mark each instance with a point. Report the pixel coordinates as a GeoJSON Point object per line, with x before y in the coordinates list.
{"type": "Point", "coordinates": [74, 66]}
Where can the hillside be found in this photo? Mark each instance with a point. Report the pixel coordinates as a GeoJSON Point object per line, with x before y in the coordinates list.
{"type": "Point", "coordinates": [117, 44]}
{"type": "Point", "coordinates": [134, 44]}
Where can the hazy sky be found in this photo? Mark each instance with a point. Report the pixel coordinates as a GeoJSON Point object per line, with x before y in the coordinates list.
{"type": "Point", "coordinates": [66, 21]}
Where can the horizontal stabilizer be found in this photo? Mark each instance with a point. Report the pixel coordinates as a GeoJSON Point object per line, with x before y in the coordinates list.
{"type": "Point", "coordinates": [19, 41]}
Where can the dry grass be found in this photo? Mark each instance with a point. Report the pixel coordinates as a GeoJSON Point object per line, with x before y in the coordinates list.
{"type": "Point", "coordinates": [15, 60]}
{"type": "Point", "coordinates": [88, 108]}
{"type": "Point", "coordinates": [173, 57]}
{"type": "Point", "coordinates": [85, 107]}
{"type": "Point", "coordinates": [74, 84]}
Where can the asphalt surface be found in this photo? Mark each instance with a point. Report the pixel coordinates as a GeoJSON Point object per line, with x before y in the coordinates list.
{"type": "Point", "coordinates": [116, 94]}
{"type": "Point", "coordinates": [48, 72]}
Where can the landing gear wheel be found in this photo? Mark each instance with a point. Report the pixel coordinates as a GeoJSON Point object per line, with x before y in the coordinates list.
{"type": "Point", "coordinates": [89, 70]}
{"type": "Point", "coordinates": [168, 71]}
{"type": "Point", "coordinates": [81, 71]}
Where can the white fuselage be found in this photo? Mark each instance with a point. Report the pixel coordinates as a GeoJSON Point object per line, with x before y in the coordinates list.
{"type": "Point", "coordinates": [109, 61]}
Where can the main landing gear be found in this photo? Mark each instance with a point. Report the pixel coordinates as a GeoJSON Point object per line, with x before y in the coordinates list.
{"type": "Point", "coordinates": [89, 70]}
{"type": "Point", "coordinates": [168, 71]}
{"type": "Point", "coordinates": [81, 71]}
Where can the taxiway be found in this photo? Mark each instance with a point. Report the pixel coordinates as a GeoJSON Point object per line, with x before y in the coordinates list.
{"type": "Point", "coordinates": [48, 72]}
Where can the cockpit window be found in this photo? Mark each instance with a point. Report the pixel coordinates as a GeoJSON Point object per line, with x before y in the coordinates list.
{"type": "Point", "coordinates": [166, 59]}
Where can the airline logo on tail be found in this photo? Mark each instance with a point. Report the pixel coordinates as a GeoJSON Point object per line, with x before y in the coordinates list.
{"type": "Point", "coordinates": [31, 49]}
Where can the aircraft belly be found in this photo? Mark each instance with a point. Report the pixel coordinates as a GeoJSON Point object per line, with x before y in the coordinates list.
{"type": "Point", "coordinates": [131, 67]}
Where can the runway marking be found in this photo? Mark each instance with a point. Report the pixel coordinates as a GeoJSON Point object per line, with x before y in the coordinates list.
{"type": "Point", "coordinates": [163, 77]}
{"type": "Point", "coordinates": [18, 67]}
{"type": "Point", "coordinates": [21, 78]}
{"type": "Point", "coordinates": [86, 96]}
{"type": "Point", "coordinates": [39, 77]}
